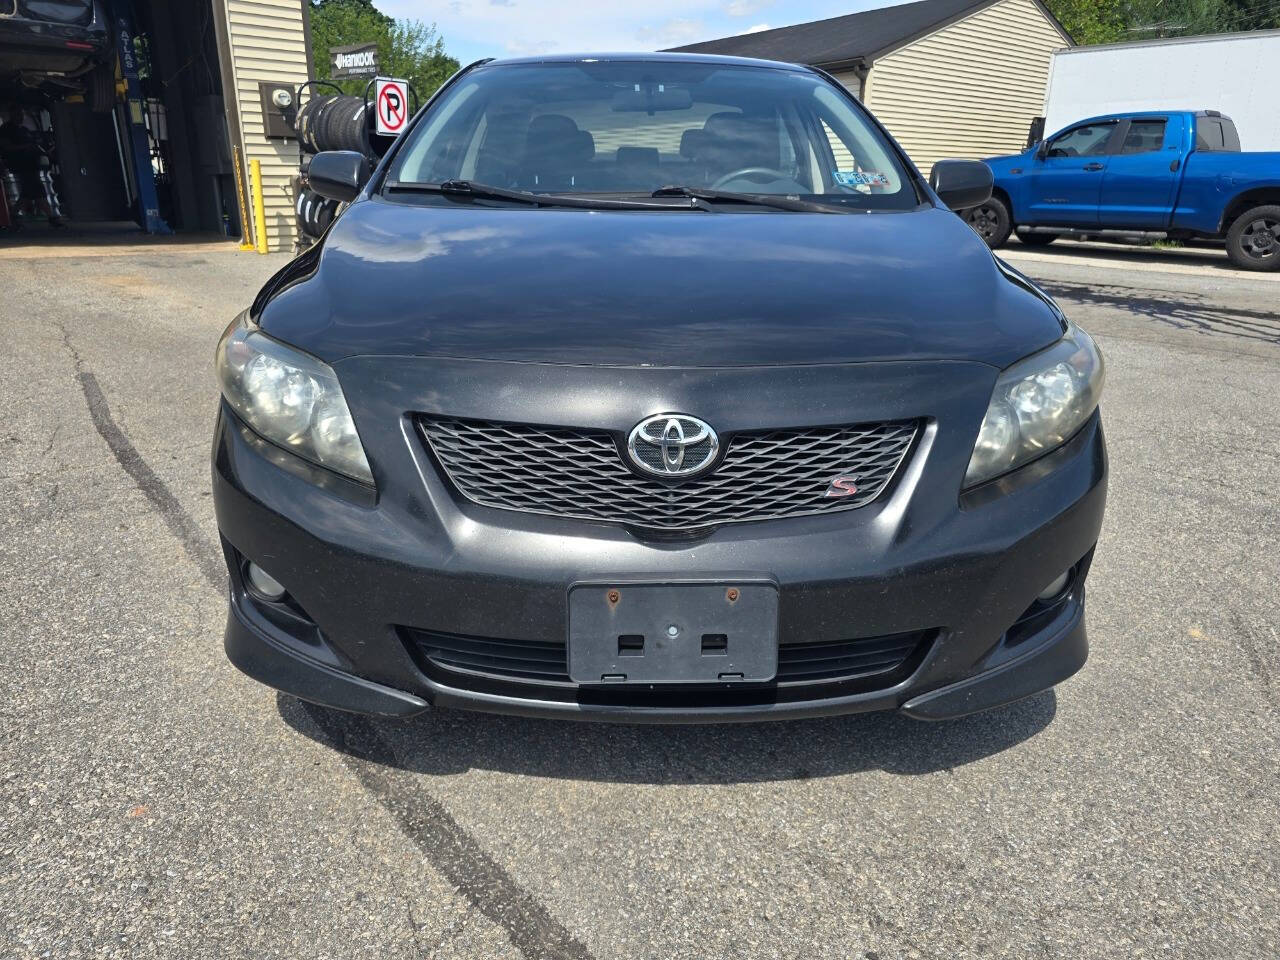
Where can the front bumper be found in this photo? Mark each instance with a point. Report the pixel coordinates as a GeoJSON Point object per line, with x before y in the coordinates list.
{"type": "Point", "coordinates": [368, 573]}
{"type": "Point", "coordinates": [1056, 654]}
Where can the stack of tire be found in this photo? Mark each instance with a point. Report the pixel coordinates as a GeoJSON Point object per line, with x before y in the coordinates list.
{"type": "Point", "coordinates": [334, 123]}
{"type": "Point", "coordinates": [314, 212]}
{"type": "Point", "coordinates": [327, 123]}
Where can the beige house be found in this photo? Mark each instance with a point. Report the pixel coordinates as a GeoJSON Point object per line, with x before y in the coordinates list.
{"type": "Point", "coordinates": [949, 78]}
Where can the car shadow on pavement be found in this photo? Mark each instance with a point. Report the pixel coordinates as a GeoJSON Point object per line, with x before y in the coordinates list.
{"type": "Point", "coordinates": [449, 742]}
{"type": "Point", "coordinates": [1181, 311]}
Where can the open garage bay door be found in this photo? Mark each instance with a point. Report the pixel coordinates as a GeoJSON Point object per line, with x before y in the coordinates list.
{"type": "Point", "coordinates": [124, 118]}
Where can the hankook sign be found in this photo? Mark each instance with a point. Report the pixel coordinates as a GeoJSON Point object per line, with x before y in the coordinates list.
{"type": "Point", "coordinates": [357, 60]}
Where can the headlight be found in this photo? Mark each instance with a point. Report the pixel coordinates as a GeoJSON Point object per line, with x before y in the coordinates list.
{"type": "Point", "coordinates": [1037, 405]}
{"type": "Point", "coordinates": [291, 399]}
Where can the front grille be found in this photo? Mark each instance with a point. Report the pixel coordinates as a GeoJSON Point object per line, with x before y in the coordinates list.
{"type": "Point", "coordinates": [580, 474]}
{"type": "Point", "coordinates": [805, 670]}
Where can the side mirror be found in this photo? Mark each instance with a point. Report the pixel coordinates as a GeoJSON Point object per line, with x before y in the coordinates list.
{"type": "Point", "coordinates": [962, 184]}
{"type": "Point", "coordinates": [1042, 149]}
{"type": "Point", "coordinates": [338, 174]}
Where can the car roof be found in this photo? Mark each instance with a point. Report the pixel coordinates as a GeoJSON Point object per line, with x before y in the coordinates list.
{"type": "Point", "coordinates": [709, 58]}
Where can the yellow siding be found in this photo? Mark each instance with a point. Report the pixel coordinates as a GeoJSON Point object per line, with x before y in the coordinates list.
{"type": "Point", "coordinates": [970, 89]}
{"type": "Point", "coordinates": [268, 42]}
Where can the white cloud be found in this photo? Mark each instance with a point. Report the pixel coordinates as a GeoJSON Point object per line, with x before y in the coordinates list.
{"type": "Point", "coordinates": [757, 28]}
{"type": "Point", "coordinates": [485, 28]}
{"type": "Point", "coordinates": [529, 48]}
{"type": "Point", "coordinates": [673, 32]}
{"type": "Point", "coordinates": [481, 28]}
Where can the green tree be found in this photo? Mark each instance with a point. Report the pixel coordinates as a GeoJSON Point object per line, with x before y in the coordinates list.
{"type": "Point", "coordinates": [1253, 15]}
{"type": "Point", "coordinates": [1149, 19]}
{"type": "Point", "coordinates": [1111, 21]}
{"type": "Point", "coordinates": [1092, 21]}
{"type": "Point", "coordinates": [406, 48]}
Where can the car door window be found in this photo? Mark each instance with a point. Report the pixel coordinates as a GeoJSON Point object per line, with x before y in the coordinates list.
{"type": "Point", "coordinates": [1144, 136]}
{"type": "Point", "coordinates": [1089, 140]}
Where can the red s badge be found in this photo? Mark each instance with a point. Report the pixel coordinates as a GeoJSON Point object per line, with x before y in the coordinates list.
{"type": "Point", "coordinates": [842, 487]}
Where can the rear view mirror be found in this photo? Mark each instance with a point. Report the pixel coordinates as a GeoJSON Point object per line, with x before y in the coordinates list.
{"type": "Point", "coordinates": [651, 100]}
{"type": "Point", "coordinates": [338, 174]}
{"type": "Point", "coordinates": [962, 184]}
{"type": "Point", "coordinates": [1042, 149]}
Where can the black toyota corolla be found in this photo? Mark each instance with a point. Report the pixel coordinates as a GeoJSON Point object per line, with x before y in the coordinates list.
{"type": "Point", "coordinates": [655, 388]}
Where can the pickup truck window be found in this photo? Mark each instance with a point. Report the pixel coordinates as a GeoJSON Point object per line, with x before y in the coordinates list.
{"type": "Point", "coordinates": [1216, 135]}
{"type": "Point", "coordinates": [1089, 140]}
{"type": "Point", "coordinates": [1144, 136]}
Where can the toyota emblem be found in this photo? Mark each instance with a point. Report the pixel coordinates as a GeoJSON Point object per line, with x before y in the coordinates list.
{"type": "Point", "coordinates": [672, 445]}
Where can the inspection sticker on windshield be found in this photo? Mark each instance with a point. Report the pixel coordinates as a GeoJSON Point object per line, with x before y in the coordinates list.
{"type": "Point", "coordinates": [858, 178]}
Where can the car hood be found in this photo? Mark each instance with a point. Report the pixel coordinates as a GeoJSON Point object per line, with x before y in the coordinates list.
{"type": "Point", "coordinates": [669, 288]}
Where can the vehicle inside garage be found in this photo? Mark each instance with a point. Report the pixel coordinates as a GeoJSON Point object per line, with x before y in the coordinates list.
{"type": "Point", "coordinates": [128, 115]}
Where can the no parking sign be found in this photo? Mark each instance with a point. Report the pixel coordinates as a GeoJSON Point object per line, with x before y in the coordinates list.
{"type": "Point", "coordinates": [391, 104]}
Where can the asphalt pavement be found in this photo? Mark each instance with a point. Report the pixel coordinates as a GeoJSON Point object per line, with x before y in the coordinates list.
{"type": "Point", "coordinates": [156, 803]}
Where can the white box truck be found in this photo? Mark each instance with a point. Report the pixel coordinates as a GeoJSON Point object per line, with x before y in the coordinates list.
{"type": "Point", "coordinates": [1233, 73]}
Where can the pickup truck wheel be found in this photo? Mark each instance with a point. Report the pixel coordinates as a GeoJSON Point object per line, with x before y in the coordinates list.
{"type": "Point", "coordinates": [991, 222]}
{"type": "Point", "coordinates": [1253, 242]}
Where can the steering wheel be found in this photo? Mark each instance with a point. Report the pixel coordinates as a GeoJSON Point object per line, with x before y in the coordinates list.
{"type": "Point", "coordinates": [750, 172]}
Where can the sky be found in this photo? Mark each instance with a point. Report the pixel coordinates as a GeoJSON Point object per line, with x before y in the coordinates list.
{"type": "Point", "coordinates": [508, 28]}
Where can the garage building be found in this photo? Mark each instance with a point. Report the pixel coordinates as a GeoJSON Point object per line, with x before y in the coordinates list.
{"type": "Point", "coordinates": [145, 127]}
{"type": "Point", "coordinates": [949, 78]}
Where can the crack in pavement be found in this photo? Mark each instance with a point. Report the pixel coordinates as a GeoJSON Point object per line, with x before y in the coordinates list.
{"type": "Point", "coordinates": [180, 523]}
{"type": "Point", "coordinates": [447, 845]}
{"type": "Point", "coordinates": [454, 852]}
{"type": "Point", "coordinates": [1247, 643]}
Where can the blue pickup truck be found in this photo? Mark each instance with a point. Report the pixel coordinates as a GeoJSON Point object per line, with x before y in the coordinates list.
{"type": "Point", "coordinates": [1175, 174]}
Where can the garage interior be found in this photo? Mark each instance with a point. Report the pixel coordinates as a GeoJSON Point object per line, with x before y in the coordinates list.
{"type": "Point", "coordinates": [157, 156]}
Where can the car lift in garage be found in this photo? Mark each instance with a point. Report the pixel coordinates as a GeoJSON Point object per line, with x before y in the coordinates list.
{"type": "Point", "coordinates": [147, 202]}
{"type": "Point", "coordinates": [136, 124]}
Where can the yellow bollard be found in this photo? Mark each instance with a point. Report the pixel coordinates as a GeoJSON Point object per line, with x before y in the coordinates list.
{"type": "Point", "coordinates": [259, 208]}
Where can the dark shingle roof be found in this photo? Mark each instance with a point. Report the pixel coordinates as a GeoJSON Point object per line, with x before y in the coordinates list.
{"type": "Point", "coordinates": [842, 39]}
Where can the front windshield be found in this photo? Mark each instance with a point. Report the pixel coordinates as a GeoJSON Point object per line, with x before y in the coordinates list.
{"type": "Point", "coordinates": [630, 127]}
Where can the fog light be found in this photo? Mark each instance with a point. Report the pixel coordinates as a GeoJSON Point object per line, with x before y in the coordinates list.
{"type": "Point", "coordinates": [265, 584]}
{"type": "Point", "coordinates": [1049, 592]}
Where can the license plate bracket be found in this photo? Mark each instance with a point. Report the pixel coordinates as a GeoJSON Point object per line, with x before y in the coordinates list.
{"type": "Point", "coordinates": [725, 632]}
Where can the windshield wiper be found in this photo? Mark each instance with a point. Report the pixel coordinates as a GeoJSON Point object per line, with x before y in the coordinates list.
{"type": "Point", "coordinates": [776, 201]}
{"type": "Point", "coordinates": [486, 191]}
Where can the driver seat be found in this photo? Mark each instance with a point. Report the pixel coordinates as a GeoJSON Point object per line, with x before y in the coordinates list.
{"type": "Point", "coordinates": [733, 141]}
